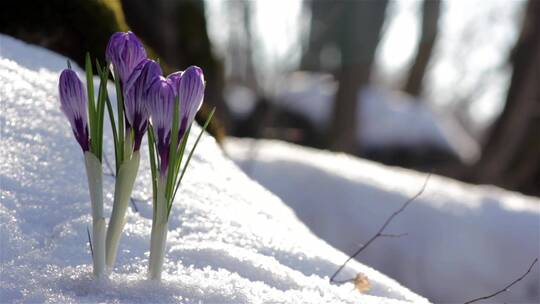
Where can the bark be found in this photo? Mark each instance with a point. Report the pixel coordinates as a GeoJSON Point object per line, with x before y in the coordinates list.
{"type": "Point", "coordinates": [323, 30]}
{"type": "Point", "coordinates": [358, 38]}
{"type": "Point", "coordinates": [430, 18]}
{"type": "Point", "coordinates": [511, 154]}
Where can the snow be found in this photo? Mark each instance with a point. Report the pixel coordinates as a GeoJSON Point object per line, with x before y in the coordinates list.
{"type": "Point", "coordinates": [387, 119]}
{"type": "Point", "coordinates": [230, 240]}
{"type": "Point", "coordinates": [462, 242]}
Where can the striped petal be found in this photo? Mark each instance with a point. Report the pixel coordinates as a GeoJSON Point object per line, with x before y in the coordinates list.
{"type": "Point", "coordinates": [125, 51]}
{"type": "Point", "coordinates": [160, 105]}
{"type": "Point", "coordinates": [136, 95]}
{"type": "Point", "coordinates": [73, 103]}
{"type": "Point", "coordinates": [191, 92]}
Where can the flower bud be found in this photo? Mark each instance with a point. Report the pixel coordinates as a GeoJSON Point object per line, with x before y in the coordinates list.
{"type": "Point", "coordinates": [73, 103]}
{"type": "Point", "coordinates": [136, 91]}
{"type": "Point", "coordinates": [191, 93]}
{"type": "Point", "coordinates": [125, 51]}
{"type": "Point", "coordinates": [160, 105]}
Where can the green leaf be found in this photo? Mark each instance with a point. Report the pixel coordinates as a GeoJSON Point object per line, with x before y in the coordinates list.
{"type": "Point", "coordinates": [99, 117]}
{"type": "Point", "coordinates": [172, 152]}
{"type": "Point", "coordinates": [120, 116]}
{"type": "Point", "coordinates": [178, 155]}
{"type": "Point", "coordinates": [113, 127]}
{"type": "Point", "coordinates": [181, 154]}
{"type": "Point", "coordinates": [206, 123]}
{"type": "Point", "coordinates": [153, 164]}
{"type": "Point", "coordinates": [91, 104]}
{"type": "Point", "coordinates": [102, 96]}
{"type": "Point", "coordinates": [111, 117]}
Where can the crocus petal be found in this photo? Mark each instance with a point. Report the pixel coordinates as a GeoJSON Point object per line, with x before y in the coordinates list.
{"type": "Point", "coordinates": [174, 78]}
{"type": "Point", "coordinates": [125, 51]}
{"type": "Point", "coordinates": [136, 91]}
{"type": "Point", "coordinates": [160, 105]}
{"type": "Point", "coordinates": [74, 105]}
{"type": "Point", "coordinates": [191, 93]}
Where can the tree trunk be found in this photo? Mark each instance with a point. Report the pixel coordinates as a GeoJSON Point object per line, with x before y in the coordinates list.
{"type": "Point", "coordinates": [358, 38]}
{"type": "Point", "coordinates": [323, 30]}
{"type": "Point", "coordinates": [430, 18]}
{"type": "Point", "coordinates": [511, 154]}
{"type": "Point", "coordinates": [240, 45]}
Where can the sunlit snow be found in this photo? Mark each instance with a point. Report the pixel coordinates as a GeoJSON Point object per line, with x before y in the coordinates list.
{"type": "Point", "coordinates": [463, 241]}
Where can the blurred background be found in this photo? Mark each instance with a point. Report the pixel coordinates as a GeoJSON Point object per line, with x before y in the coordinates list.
{"type": "Point", "coordinates": [451, 87]}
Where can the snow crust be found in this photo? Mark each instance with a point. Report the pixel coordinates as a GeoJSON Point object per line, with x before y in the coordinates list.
{"type": "Point", "coordinates": [463, 241]}
{"type": "Point", "coordinates": [387, 119]}
{"type": "Point", "coordinates": [230, 240]}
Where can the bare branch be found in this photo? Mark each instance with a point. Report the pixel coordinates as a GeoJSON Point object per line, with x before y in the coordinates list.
{"type": "Point", "coordinates": [381, 230]}
{"type": "Point", "coordinates": [506, 287]}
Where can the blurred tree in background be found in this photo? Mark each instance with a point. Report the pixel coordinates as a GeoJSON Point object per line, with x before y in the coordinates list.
{"type": "Point", "coordinates": [353, 28]}
{"type": "Point", "coordinates": [323, 31]}
{"type": "Point", "coordinates": [240, 45]}
{"type": "Point", "coordinates": [511, 153]}
{"type": "Point", "coordinates": [360, 31]}
{"type": "Point", "coordinates": [431, 11]}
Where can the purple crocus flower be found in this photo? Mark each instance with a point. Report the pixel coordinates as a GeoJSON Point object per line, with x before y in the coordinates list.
{"type": "Point", "coordinates": [160, 105]}
{"type": "Point", "coordinates": [190, 89]}
{"type": "Point", "coordinates": [125, 51]}
{"type": "Point", "coordinates": [136, 90]}
{"type": "Point", "coordinates": [73, 103]}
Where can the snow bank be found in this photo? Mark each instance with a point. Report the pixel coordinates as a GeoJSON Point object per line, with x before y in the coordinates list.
{"type": "Point", "coordinates": [230, 240]}
{"type": "Point", "coordinates": [388, 119]}
{"type": "Point", "coordinates": [463, 241]}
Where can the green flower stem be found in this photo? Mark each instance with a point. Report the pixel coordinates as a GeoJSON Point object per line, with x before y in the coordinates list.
{"type": "Point", "coordinates": [128, 145]}
{"type": "Point", "coordinates": [122, 192]}
{"type": "Point", "coordinates": [95, 186]}
{"type": "Point", "coordinates": [158, 237]}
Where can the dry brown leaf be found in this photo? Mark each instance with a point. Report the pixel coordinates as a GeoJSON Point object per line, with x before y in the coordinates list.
{"type": "Point", "coordinates": [361, 282]}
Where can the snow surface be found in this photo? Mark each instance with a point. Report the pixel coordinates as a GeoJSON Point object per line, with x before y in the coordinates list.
{"type": "Point", "coordinates": [230, 240]}
{"type": "Point", "coordinates": [463, 241]}
{"type": "Point", "coordinates": [387, 119]}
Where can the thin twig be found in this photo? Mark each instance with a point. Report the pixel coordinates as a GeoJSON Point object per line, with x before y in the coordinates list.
{"type": "Point", "coordinates": [343, 281]}
{"type": "Point", "coordinates": [393, 235]}
{"type": "Point", "coordinates": [380, 231]}
{"type": "Point", "coordinates": [506, 287]}
{"type": "Point", "coordinates": [90, 241]}
{"type": "Point", "coordinates": [108, 164]}
{"type": "Point", "coordinates": [133, 205]}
